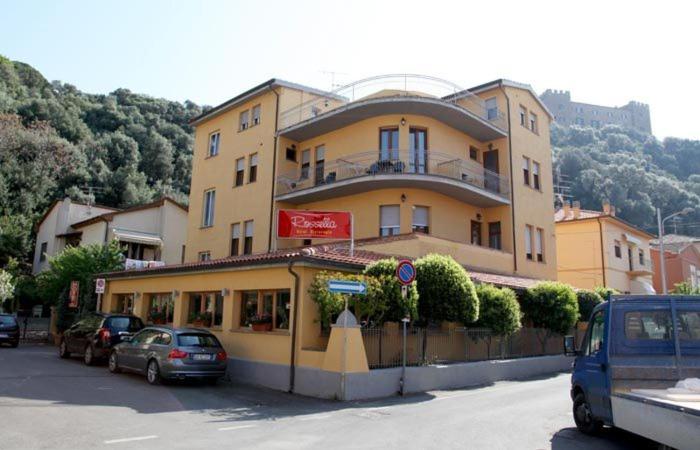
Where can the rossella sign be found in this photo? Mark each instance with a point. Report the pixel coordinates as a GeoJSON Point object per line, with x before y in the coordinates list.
{"type": "Point", "coordinates": [296, 224]}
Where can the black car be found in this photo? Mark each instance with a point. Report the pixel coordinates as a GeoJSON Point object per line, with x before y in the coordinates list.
{"type": "Point", "coordinates": [95, 335]}
{"type": "Point", "coordinates": [9, 330]}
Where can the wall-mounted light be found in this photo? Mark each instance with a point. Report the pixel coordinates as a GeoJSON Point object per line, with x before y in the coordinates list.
{"type": "Point", "coordinates": [403, 121]}
{"type": "Point", "coordinates": [478, 217]}
{"type": "Point", "coordinates": [403, 198]}
{"type": "Point", "coordinates": [225, 292]}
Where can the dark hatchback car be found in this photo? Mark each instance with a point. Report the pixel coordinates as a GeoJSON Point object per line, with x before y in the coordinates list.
{"type": "Point", "coordinates": [94, 336]}
{"type": "Point", "coordinates": [9, 330]}
{"type": "Point", "coordinates": [164, 353]}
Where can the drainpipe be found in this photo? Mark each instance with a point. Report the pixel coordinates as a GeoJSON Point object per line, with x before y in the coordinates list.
{"type": "Point", "coordinates": [292, 361]}
{"type": "Point", "coordinates": [512, 194]}
{"type": "Point", "coordinates": [274, 168]}
{"type": "Point", "coordinates": [602, 253]}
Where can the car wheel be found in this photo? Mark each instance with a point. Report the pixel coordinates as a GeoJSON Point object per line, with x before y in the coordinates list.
{"type": "Point", "coordinates": [153, 372]}
{"type": "Point", "coordinates": [63, 350]}
{"type": "Point", "coordinates": [89, 356]}
{"type": "Point", "coordinates": [113, 363]}
{"type": "Point", "coordinates": [583, 416]}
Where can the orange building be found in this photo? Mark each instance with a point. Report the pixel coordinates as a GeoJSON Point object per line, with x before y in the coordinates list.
{"type": "Point", "coordinates": [682, 261]}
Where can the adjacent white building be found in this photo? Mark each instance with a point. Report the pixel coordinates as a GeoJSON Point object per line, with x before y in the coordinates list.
{"type": "Point", "coordinates": [152, 232]}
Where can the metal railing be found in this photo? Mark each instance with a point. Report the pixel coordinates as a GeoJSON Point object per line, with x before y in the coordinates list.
{"type": "Point", "coordinates": [394, 162]}
{"type": "Point", "coordinates": [393, 85]}
{"type": "Point", "coordinates": [427, 346]}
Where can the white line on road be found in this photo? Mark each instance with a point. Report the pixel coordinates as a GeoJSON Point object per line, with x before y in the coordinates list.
{"type": "Point", "coordinates": [140, 438]}
{"type": "Point", "coordinates": [239, 427]}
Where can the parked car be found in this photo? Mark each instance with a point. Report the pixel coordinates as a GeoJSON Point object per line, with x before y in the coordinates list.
{"type": "Point", "coordinates": [9, 330]}
{"type": "Point", "coordinates": [165, 353]}
{"type": "Point", "coordinates": [94, 336]}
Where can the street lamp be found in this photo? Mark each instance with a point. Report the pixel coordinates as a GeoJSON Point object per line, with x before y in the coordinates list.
{"type": "Point", "coordinates": [660, 223]}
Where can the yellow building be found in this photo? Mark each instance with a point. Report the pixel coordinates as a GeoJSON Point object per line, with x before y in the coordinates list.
{"type": "Point", "coordinates": [599, 249]}
{"type": "Point", "coordinates": [423, 166]}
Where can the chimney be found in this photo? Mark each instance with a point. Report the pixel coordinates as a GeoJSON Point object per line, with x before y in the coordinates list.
{"type": "Point", "coordinates": [612, 210]}
{"type": "Point", "coordinates": [606, 208]}
{"type": "Point", "coordinates": [577, 209]}
{"type": "Point", "coordinates": [567, 208]}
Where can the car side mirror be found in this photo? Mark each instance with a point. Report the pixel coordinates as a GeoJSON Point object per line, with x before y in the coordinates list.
{"type": "Point", "coordinates": [570, 346]}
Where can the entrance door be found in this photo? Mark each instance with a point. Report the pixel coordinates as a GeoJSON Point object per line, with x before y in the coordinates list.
{"type": "Point", "coordinates": [491, 170]}
{"type": "Point", "coordinates": [417, 151]}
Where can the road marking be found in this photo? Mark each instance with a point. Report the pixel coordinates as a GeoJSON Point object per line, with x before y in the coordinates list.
{"type": "Point", "coordinates": [140, 438]}
{"type": "Point", "coordinates": [238, 427]}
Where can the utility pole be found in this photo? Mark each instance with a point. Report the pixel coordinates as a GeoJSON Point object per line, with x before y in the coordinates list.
{"type": "Point", "coordinates": [662, 257]}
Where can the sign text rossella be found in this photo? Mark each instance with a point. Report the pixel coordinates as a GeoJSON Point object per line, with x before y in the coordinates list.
{"type": "Point", "coordinates": [293, 224]}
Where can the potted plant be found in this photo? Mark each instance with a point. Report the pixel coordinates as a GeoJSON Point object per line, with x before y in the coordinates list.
{"type": "Point", "coordinates": [261, 322]}
{"type": "Point", "coordinates": [157, 317]}
{"type": "Point", "coordinates": [200, 319]}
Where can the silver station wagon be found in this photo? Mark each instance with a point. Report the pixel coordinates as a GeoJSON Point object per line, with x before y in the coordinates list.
{"type": "Point", "coordinates": [165, 353]}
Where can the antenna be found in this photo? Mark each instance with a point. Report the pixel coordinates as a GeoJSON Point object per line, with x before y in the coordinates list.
{"type": "Point", "coordinates": [332, 74]}
{"type": "Point", "coordinates": [90, 192]}
{"type": "Point", "coordinates": [562, 187]}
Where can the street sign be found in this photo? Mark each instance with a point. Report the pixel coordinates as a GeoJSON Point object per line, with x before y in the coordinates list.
{"type": "Point", "coordinates": [347, 287]}
{"type": "Point", "coordinates": [74, 291]}
{"type": "Point", "coordinates": [100, 285]}
{"type": "Point", "coordinates": [405, 272]}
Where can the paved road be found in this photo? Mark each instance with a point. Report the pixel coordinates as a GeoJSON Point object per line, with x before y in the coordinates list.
{"type": "Point", "coordinates": [46, 402]}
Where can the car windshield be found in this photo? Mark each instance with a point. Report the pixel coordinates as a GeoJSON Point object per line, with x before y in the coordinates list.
{"type": "Point", "coordinates": [7, 320]}
{"type": "Point", "coordinates": [125, 323]}
{"type": "Point", "coordinates": [197, 340]}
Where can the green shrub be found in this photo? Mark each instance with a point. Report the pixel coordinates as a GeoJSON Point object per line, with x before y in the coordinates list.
{"type": "Point", "coordinates": [685, 288]}
{"type": "Point", "coordinates": [587, 300]}
{"type": "Point", "coordinates": [552, 307]}
{"type": "Point", "coordinates": [605, 291]}
{"type": "Point", "coordinates": [445, 291]}
{"type": "Point", "coordinates": [397, 306]}
{"type": "Point", "coordinates": [499, 309]}
{"type": "Point", "coordinates": [369, 308]}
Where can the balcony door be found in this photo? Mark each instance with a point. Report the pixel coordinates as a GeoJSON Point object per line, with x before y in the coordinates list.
{"type": "Point", "coordinates": [388, 144]}
{"type": "Point", "coordinates": [417, 150]}
{"type": "Point", "coordinates": [491, 176]}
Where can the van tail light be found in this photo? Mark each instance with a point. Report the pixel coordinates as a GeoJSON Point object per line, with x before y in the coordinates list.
{"type": "Point", "coordinates": [176, 353]}
{"type": "Point", "coordinates": [221, 356]}
{"type": "Point", "coordinates": [104, 335]}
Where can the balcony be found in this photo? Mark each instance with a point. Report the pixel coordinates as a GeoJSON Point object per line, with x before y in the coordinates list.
{"type": "Point", "coordinates": [464, 180]}
{"type": "Point", "coordinates": [394, 94]}
{"type": "Point", "coordinates": [635, 269]}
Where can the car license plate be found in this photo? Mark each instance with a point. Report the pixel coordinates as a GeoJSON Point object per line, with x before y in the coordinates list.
{"type": "Point", "coordinates": [201, 357]}
{"type": "Point", "coordinates": [4, 335]}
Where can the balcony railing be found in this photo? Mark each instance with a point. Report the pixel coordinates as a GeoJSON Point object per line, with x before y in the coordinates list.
{"type": "Point", "coordinates": [393, 85]}
{"type": "Point", "coordinates": [394, 163]}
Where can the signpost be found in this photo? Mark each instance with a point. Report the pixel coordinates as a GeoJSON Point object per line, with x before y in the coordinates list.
{"type": "Point", "coordinates": [406, 274]}
{"type": "Point", "coordinates": [100, 284]}
{"type": "Point", "coordinates": [74, 291]}
{"type": "Point", "coordinates": [346, 287]}
{"type": "Point", "coordinates": [300, 224]}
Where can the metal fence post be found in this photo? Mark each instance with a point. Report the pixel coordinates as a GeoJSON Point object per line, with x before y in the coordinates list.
{"type": "Point", "coordinates": [403, 365]}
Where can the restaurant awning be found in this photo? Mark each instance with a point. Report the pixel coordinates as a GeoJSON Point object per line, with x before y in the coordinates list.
{"type": "Point", "coordinates": [137, 237]}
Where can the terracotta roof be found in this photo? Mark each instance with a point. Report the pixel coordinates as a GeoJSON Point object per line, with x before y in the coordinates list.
{"type": "Point", "coordinates": [510, 281]}
{"type": "Point", "coordinates": [107, 217]}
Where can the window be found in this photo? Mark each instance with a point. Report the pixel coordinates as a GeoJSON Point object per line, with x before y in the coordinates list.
{"type": "Point", "coordinates": [526, 170]}
{"type": "Point", "coordinates": [595, 123]}
{"type": "Point", "coordinates": [473, 153]}
{"type": "Point", "coordinates": [320, 163]}
{"type": "Point", "coordinates": [523, 116]}
{"type": "Point", "coordinates": [182, 256]}
{"type": "Point", "coordinates": [244, 120]}
{"type": "Point", "coordinates": [533, 122]}
{"type": "Point", "coordinates": [42, 251]}
{"type": "Point", "coordinates": [491, 108]}
{"type": "Point", "coordinates": [252, 168]}
{"type": "Point", "coordinates": [595, 112]}
{"type": "Point", "coordinates": [206, 307]}
{"type": "Point", "coordinates": [275, 305]}
{"type": "Point", "coordinates": [539, 244]}
{"type": "Point", "coordinates": [235, 238]}
{"type": "Point", "coordinates": [420, 219]}
{"type": "Point", "coordinates": [305, 164]}
{"type": "Point", "coordinates": [475, 232]}
{"type": "Point", "coordinates": [528, 242]}
{"type": "Point", "coordinates": [240, 172]}
{"type": "Point", "coordinates": [594, 343]}
{"type": "Point", "coordinates": [291, 154]}
{"type": "Point", "coordinates": [654, 325]}
{"type": "Point", "coordinates": [160, 308]}
{"type": "Point", "coordinates": [580, 121]}
{"type": "Point", "coordinates": [389, 220]}
{"type": "Point", "coordinates": [124, 304]}
{"type": "Point", "coordinates": [214, 144]}
{"type": "Point", "coordinates": [248, 243]}
{"type": "Point", "coordinates": [204, 256]}
{"type": "Point", "coordinates": [618, 249]}
{"type": "Point", "coordinates": [641, 257]}
{"type": "Point", "coordinates": [388, 144]}
{"type": "Point", "coordinates": [495, 235]}
{"type": "Point", "coordinates": [256, 115]}
{"type": "Point", "coordinates": [579, 109]}
{"type": "Point", "coordinates": [208, 210]}
{"type": "Point", "coordinates": [689, 325]}
{"type": "Point", "coordinates": [536, 175]}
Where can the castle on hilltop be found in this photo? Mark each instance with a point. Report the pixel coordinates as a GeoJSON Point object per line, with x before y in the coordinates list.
{"type": "Point", "coordinates": [567, 113]}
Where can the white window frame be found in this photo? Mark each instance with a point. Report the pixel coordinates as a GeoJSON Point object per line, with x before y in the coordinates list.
{"type": "Point", "coordinates": [536, 179]}
{"type": "Point", "coordinates": [256, 115]}
{"type": "Point", "coordinates": [539, 245]}
{"type": "Point", "coordinates": [244, 120]}
{"type": "Point", "coordinates": [528, 243]}
{"type": "Point", "coordinates": [208, 208]}
{"type": "Point", "coordinates": [214, 142]}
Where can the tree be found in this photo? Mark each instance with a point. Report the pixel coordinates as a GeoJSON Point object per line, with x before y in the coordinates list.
{"type": "Point", "coordinates": [397, 306]}
{"type": "Point", "coordinates": [587, 300]}
{"type": "Point", "coordinates": [685, 288]}
{"type": "Point", "coordinates": [499, 310]}
{"type": "Point", "coordinates": [79, 264]}
{"type": "Point", "coordinates": [445, 291]}
{"type": "Point", "coordinates": [604, 292]}
{"type": "Point", "coordinates": [368, 308]}
{"type": "Point", "coordinates": [552, 307]}
{"type": "Point", "coordinates": [7, 289]}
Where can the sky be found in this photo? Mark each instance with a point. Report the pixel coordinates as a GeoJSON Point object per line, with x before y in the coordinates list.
{"type": "Point", "coordinates": [604, 52]}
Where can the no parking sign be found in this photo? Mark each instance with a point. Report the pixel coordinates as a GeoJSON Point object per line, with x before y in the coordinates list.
{"type": "Point", "coordinates": [405, 272]}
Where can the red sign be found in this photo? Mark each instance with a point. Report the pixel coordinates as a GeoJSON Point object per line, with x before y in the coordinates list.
{"type": "Point", "coordinates": [294, 224]}
{"type": "Point", "coordinates": [74, 290]}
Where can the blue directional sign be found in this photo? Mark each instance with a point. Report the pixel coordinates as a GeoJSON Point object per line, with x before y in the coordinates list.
{"type": "Point", "coordinates": [347, 287]}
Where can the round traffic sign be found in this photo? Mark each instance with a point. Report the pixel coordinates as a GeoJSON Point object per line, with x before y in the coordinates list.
{"type": "Point", "coordinates": [405, 272]}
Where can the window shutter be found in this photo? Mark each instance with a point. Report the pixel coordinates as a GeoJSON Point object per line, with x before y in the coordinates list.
{"type": "Point", "coordinates": [249, 228]}
{"type": "Point", "coordinates": [420, 216]}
